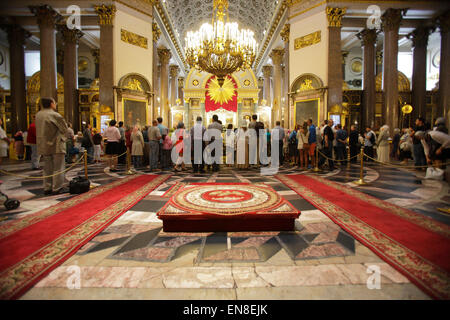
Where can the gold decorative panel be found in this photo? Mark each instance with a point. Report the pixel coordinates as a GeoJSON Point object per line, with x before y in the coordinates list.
{"type": "Point", "coordinates": [307, 40]}
{"type": "Point", "coordinates": [133, 38]}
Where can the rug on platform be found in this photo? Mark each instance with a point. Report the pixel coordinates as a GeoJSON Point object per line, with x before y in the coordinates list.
{"type": "Point", "coordinates": [416, 245]}
{"type": "Point", "coordinates": [33, 246]}
{"type": "Point", "coordinates": [227, 207]}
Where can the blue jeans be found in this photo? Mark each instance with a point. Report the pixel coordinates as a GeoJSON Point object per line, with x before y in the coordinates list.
{"type": "Point", "coordinates": [154, 153]}
{"type": "Point", "coordinates": [419, 155]}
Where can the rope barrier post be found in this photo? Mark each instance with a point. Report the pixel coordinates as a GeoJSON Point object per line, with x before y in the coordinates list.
{"type": "Point", "coordinates": [348, 157]}
{"type": "Point", "coordinates": [85, 165]}
{"type": "Point", "coordinates": [361, 181]}
{"type": "Point", "coordinates": [316, 169]}
{"type": "Point", "coordinates": [129, 171]}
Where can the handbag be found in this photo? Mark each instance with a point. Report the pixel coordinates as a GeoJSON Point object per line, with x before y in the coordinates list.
{"type": "Point", "coordinates": [79, 185]}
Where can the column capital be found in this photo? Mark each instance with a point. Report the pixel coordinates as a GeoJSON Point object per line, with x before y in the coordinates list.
{"type": "Point", "coordinates": [16, 34]}
{"type": "Point", "coordinates": [334, 16]}
{"type": "Point", "coordinates": [419, 37]}
{"type": "Point", "coordinates": [267, 71]}
{"type": "Point", "coordinates": [164, 55]}
{"type": "Point", "coordinates": [344, 56]}
{"type": "Point", "coordinates": [46, 15]}
{"type": "Point", "coordinates": [156, 32]}
{"type": "Point", "coordinates": [174, 70]}
{"type": "Point", "coordinates": [106, 14]}
{"type": "Point", "coordinates": [59, 56]}
{"type": "Point", "coordinates": [277, 56]}
{"type": "Point", "coordinates": [70, 35]}
{"type": "Point", "coordinates": [368, 37]}
{"type": "Point", "coordinates": [392, 18]}
{"type": "Point", "coordinates": [96, 55]}
{"type": "Point", "coordinates": [443, 21]}
{"type": "Point", "coordinates": [181, 82]}
{"type": "Point", "coordinates": [379, 57]}
{"type": "Point", "coordinates": [260, 82]}
{"type": "Point", "coordinates": [285, 32]}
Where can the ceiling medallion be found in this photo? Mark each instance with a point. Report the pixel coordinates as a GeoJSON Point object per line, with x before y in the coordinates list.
{"type": "Point", "coordinates": [195, 83]}
{"type": "Point", "coordinates": [246, 82]}
{"type": "Point", "coordinates": [220, 48]}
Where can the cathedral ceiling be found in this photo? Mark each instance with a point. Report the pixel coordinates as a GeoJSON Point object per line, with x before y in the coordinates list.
{"type": "Point", "coordinates": [188, 15]}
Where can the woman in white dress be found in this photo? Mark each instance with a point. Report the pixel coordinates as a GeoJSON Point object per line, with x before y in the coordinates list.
{"type": "Point", "coordinates": [383, 144]}
{"type": "Point", "coordinates": [4, 142]}
{"type": "Point", "coordinates": [303, 147]}
{"type": "Point", "coordinates": [137, 146]}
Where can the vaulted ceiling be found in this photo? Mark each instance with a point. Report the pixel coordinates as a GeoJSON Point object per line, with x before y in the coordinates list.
{"type": "Point", "coordinates": [187, 15]}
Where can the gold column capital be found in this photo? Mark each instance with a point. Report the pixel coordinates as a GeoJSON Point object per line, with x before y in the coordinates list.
{"type": "Point", "coordinates": [164, 55]}
{"type": "Point", "coordinates": [344, 56]}
{"type": "Point", "coordinates": [174, 70]}
{"type": "Point", "coordinates": [46, 15]}
{"type": "Point", "coordinates": [334, 16]}
{"type": "Point", "coordinates": [392, 18]}
{"type": "Point", "coordinates": [156, 32]}
{"type": "Point", "coordinates": [379, 56]}
{"type": "Point", "coordinates": [106, 14]}
{"type": "Point", "coordinates": [96, 55]}
{"type": "Point", "coordinates": [367, 36]}
{"type": "Point", "coordinates": [69, 35]}
{"type": "Point", "coordinates": [180, 82]}
{"type": "Point", "coordinates": [285, 32]}
{"type": "Point", "coordinates": [16, 34]}
{"type": "Point", "coordinates": [267, 71]}
{"type": "Point", "coordinates": [443, 21]}
{"type": "Point", "coordinates": [277, 56]}
{"type": "Point", "coordinates": [419, 37]}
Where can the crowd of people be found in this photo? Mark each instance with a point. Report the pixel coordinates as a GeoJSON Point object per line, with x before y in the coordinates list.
{"type": "Point", "coordinates": [153, 146]}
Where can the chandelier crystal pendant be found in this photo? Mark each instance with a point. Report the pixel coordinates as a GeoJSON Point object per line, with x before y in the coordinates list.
{"type": "Point", "coordinates": [220, 48]}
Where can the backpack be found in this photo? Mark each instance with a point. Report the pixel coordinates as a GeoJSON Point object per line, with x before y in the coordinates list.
{"type": "Point", "coordinates": [372, 138]}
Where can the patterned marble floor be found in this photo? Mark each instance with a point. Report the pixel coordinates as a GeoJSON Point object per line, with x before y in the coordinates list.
{"type": "Point", "coordinates": [134, 258]}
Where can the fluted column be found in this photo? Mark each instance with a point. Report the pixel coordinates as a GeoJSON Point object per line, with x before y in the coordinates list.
{"type": "Point", "coordinates": [419, 39]}
{"type": "Point", "coordinates": [444, 69]}
{"type": "Point", "coordinates": [46, 19]}
{"type": "Point", "coordinates": [164, 57]}
{"type": "Point", "coordinates": [267, 72]}
{"type": "Point", "coordinates": [368, 38]}
{"type": "Point", "coordinates": [335, 77]}
{"type": "Point", "coordinates": [96, 55]}
{"type": "Point", "coordinates": [156, 33]}
{"type": "Point", "coordinates": [277, 59]}
{"type": "Point", "coordinates": [379, 59]}
{"type": "Point", "coordinates": [261, 91]}
{"type": "Point", "coordinates": [391, 22]}
{"type": "Point", "coordinates": [106, 16]}
{"type": "Point", "coordinates": [16, 38]}
{"type": "Point", "coordinates": [70, 38]}
{"type": "Point", "coordinates": [180, 89]}
{"type": "Point", "coordinates": [174, 70]}
{"type": "Point", "coordinates": [285, 32]}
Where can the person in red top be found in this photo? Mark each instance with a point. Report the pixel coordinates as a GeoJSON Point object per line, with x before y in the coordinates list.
{"type": "Point", "coordinates": [31, 140]}
{"type": "Point", "coordinates": [128, 141]}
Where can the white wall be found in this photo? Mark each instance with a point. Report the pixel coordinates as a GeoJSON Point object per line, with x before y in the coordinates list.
{"type": "Point", "coordinates": [129, 58]}
{"type": "Point", "coordinates": [314, 58]}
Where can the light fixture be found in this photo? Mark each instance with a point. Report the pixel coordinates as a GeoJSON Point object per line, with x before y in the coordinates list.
{"type": "Point", "coordinates": [220, 48]}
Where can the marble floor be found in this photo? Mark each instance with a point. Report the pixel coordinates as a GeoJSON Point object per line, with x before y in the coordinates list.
{"type": "Point", "coordinates": [134, 259]}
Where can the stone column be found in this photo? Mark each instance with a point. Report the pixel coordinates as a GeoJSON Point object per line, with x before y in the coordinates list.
{"type": "Point", "coordinates": [96, 55]}
{"type": "Point", "coordinates": [261, 91]}
{"type": "Point", "coordinates": [285, 32]}
{"type": "Point", "coordinates": [335, 77]}
{"type": "Point", "coordinates": [174, 70]}
{"type": "Point", "coordinates": [267, 71]}
{"type": "Point", "coordinates": [344, 62]}
{"type": "Point", "coordinates": [16, 39]}
{"type": "Point", "coordinates": [277, 59]}
{"type": "Point", "coordinates": [46, 19]}
{"type": "Point", "coordinates": [156, 33]}
{"type": "Point", "coordinates": [368, 38]}
{"type": "Point", "coordinates": [60, 61]}
{"type": "Point", "coordinates": [164, 57]}
{"type": "Point", "coordinates": [391, 22]}
{"type": "Point", "coordinates": [180, 89]}
{"type": "Point", "coordinates": [106, 64]}
{"type": "Point", "coordinates": [379, 58]}
{"type": "Point", "coordinates": [444, 69]}
{"type": "Point", "coordinates": [71, 112]}
{"type": "Point", "coordinates": [419, 39]}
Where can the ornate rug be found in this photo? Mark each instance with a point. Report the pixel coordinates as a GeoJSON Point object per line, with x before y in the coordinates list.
{"type": "Point", "coordinates": [33, 246]}
{"type": "Point", "coordinates": [207, 207]}
{"type": "Point", "coordinates": [416, 245]}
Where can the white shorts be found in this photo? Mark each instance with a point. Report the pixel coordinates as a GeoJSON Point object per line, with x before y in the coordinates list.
{"type": "Point", "coordinates": [3, 152]}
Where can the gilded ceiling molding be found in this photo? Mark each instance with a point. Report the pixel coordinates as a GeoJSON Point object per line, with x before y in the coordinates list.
{"type": "Point", "coordinates": [106, 14]}
{"type": "Point", "coordinates": [271, 32]}
{"type": "Point", "coordinates": [334, 16]}
{"type": "Point", "coordinates": [156, 32]}
{"type": "Point", "coordinates": [133, 38]}
{"type": "Point", "coordinates": [307, 40]}
{"type": "Point", "coordinates": [285, 32]}
{"type": "Point", "coordinates": [166, 21]}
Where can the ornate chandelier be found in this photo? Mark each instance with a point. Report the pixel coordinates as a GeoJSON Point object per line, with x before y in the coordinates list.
{"type": "Point", "coordinates": [220, 48]}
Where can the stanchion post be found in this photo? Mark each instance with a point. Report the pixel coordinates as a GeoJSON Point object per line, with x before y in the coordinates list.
{"type": "Point", "coordinates": [316, 169]}
{"type": "Point", "coordinates": [361, 170]}
{"type": "Point", "coordinates": [348, 157]}
{"type": "Point", "coordinates": [129, 171]}
{"type": "Point", "coordinates": [85, 165]}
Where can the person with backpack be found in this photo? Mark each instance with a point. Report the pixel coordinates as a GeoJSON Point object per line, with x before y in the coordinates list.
{"type": "Point", "coordinates": [369, 143]}
{"type": "Point", "coordinates": [293, 143]}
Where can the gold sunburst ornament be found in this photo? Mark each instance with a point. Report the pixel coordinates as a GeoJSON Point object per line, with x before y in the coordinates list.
{"type": "Point", "coordinates": [221, 95]}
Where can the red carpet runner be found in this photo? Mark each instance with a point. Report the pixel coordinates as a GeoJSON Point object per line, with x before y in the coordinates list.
{"type": "Point", "coordinates": [33, 246]}
{"type": "Point", "coordinates": [416, 245]}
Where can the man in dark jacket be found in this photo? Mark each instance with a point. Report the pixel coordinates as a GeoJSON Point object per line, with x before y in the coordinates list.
{"type": "Point", "coordinates": [353, 143]}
